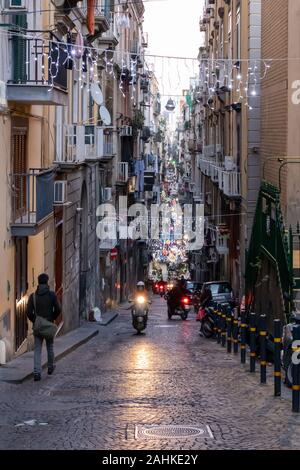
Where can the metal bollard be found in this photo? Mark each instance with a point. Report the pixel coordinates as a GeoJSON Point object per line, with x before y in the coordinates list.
{"type": "Point", "coordinates": [277, 358]}
{"type": "Point", "coordinates": [296, 372]}
{"type": "Point", "coordinates": [263, 348]}
{"type": "Point", "coordinates": [243, 337]}
{"type": "Point", "coordinates": [252, 327]}
{"type": "Point", "coordinates": [215, 321]}
{"type": "Point", "coordinates": [235, 331]}
{"type": "Point", "coordinates": [229, 329]}
{"type": "Point", "coordinates": [219, 324]}
{"type": "Point", "coordinates": [223, 329]}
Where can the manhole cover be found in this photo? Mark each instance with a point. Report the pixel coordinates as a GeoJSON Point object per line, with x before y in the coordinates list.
{"type": "Point", "coordinates": [172, 432]}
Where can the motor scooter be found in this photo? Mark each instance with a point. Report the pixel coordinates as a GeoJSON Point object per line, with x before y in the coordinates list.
{"type": "Point", "coordinates": [208, 322]}
{"type": "Point", "coordinates": [139, 312]}
{"type": "Point", "coordinates": [182, 309]}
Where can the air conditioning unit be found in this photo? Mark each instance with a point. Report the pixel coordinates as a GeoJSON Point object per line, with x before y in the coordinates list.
{"type": "Point", "coordinates": [107, 194]}
{"type": "Point", "coordinates": [60, 192]}
{"type": "Point", "coordinates": [229, 163]}
{"type": "Point", "coordinates": [126, 131]}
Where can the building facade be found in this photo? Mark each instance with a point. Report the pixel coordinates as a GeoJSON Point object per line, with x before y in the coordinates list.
{"type": "Point", "coordinates": [72, 126]}
{"type": "Point", "coordinates": [223, 135]}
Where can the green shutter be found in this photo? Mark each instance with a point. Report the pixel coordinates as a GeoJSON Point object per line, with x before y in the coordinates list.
{"type": "Point", "coordinates": [19, 50]}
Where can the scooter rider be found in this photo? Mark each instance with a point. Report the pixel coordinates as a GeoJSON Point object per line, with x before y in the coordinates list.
{"type": "Point", "coordinates": [141, 291]}
{"type": "Point", "coordinates": [175, 294]}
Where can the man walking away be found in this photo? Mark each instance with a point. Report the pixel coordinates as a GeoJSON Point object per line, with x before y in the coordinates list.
{"type": "Point", "coordinates": [43, 303]}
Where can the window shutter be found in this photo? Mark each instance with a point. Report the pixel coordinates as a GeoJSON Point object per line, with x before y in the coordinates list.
{"type": "Point", "coordinates": [19, 164]}
{"type": "Point", "coordinates": [19, 50]}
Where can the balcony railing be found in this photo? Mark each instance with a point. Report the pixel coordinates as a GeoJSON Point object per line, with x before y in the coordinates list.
{"type": "Point", "coordinates": [87, 143]}
{"type": "Point", "coordinates": [122, 172]}
{"type": "Point", "coordinates": [232, 183]}
{"type": "Point", "coordinates": [39, 65]}
{"type": "Point", "coordinates": [32, 200]}
{"type": "Point", "coordinates": [228, 181]}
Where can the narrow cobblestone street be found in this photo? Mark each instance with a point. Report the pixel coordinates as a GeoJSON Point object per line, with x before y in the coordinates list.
{"type": "Point", "coordinates": [169, 375]}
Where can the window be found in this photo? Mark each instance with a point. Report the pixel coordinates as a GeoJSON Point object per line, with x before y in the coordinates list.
{"type": "Point", "coordinates": [16, 3]}
{"type": "Point", "coordinates": [89, 136]}
{"type": "Point", "coordinates": [19, 164]}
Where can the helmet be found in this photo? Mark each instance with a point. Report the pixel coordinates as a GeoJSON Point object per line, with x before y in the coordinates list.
{"type": "Point", "coordinates": [140, 285]}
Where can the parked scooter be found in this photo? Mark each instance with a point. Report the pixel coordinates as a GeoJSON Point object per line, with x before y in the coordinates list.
{"type": "Point", "coordinates": [287, 343]}
{"type": "Point", "coordinates": [182, 309]}
{"type": "Point", "coordinates": [139, 313]}
{"type": "Point", "coordinates": [208, 322]}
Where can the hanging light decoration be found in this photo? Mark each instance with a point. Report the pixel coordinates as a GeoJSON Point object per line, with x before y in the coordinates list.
{"type": "Point", "coordinates": [170, 106]}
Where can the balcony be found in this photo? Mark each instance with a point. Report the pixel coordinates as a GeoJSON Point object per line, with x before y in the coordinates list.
{"type": "Point", "coordinates": [102, 17]}
{"type": "Point", "coordinates": [229, 181]}
{"type": "Point", "coordinates": [88, 143]}
{"type": "Point", "coordinates": [110, 38]}
{"type": "Point", "coordinates": [32, 201]}
{"type": "Point", "coordinates": [38, 72]}
{"type": "Point", "coordinates": [122, 173]}
{"type": "Point", "coordinates": [198, 196]}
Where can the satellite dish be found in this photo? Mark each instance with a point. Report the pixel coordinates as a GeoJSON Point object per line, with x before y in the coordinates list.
{"type": "Point", "coordinates": [96, 94]}
{"type": "Point", "coordinates": [59, 3]}
{"type": "Point", "coordinates": [105, 116]}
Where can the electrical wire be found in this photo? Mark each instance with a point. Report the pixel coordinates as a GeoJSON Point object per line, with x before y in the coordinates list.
{"type": "Point", "coordinates": [267, 61]}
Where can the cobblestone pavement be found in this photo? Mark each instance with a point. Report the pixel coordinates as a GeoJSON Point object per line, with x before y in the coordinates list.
{"type": "Point", "coordinates": [169, 376]}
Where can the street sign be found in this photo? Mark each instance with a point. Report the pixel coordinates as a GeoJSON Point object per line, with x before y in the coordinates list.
{"type": "Point", "coordinates": [113, 254]}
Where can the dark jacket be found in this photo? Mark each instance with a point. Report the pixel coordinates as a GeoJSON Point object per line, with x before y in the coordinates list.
{"type": "Point", "coordinates": [175, 295]}
{"type": "Point", "coordinates": [205, 298]}
{"type": "Point", "coordinates": [47, 305]}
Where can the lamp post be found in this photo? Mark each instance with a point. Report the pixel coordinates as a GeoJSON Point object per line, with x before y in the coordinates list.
{"type": "Point", "coordinates": [278, 159]}
{"type": "Point", "coordinates": [287, 162]}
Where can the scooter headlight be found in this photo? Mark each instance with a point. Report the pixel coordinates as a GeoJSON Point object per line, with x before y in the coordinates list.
{"type": "Point", "coordinates": [141, 300]}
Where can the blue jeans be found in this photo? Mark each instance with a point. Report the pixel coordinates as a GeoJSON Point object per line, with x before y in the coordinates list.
{"type": "Point", "coordinates": [38, 343]}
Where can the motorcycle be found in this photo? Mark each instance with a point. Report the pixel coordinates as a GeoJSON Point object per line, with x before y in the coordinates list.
{"type": "Point", "coordinates": [182, 309]}
{"type": "Point", "coordinates": [139, 313]}
{"type": "Point", "coordinates": [287, 344]}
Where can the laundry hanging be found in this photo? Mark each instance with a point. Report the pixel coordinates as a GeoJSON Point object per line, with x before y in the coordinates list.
{"type": "Point", "coordinates": [91, 16]}
{"type": "Point", "coordinates": [139, 173]}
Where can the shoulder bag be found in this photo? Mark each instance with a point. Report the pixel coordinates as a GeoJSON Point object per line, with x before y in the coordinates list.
{"type": "Point", "coordinates": [42, 327]}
